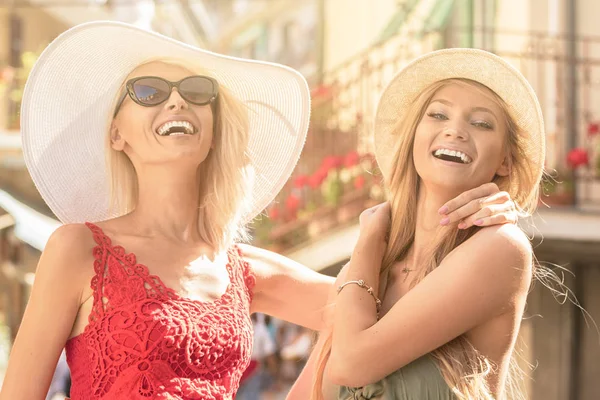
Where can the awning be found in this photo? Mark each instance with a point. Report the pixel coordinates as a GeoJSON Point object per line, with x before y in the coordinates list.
{"type": "Point", "coordinates": [398, 19]}
{"type": "Point", "coordinates": [439, 17]}
{"type": "Point", "coordinates": [437, 14]}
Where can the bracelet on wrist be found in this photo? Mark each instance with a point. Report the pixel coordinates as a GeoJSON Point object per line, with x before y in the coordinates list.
{"type": "Point", "coordinates": [361, 283]}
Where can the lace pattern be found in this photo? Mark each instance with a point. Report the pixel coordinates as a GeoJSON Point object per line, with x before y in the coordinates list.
{"type": "Point", "coordinates": [144, 341]}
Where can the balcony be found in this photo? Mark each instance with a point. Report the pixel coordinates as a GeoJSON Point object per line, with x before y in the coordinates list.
{"type": "Point", "coordinates": [336, 177]}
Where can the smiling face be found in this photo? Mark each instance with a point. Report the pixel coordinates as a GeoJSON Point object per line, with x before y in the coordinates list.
{"type": "Point", "coordinates": [140, 139]}
{"type": "Point", "coordinates": [460, 142]}
{"type": "Point", "coordinates": [174, 131]}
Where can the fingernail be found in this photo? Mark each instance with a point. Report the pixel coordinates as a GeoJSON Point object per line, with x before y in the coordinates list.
{"type": "Point", "coordinates": [478, 222]}
{"type": "Point", "coordinates": [462, 225]}
{"type": "Point", "coordinates": [443, 210]}
{"type": "Point", "coordinates": [445, 221]}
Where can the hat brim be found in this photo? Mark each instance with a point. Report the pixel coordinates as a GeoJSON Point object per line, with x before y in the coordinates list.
{"type": "Point", "coordinates": [477, 65]}
{"type": "Point", "coordinates": [68, 99]}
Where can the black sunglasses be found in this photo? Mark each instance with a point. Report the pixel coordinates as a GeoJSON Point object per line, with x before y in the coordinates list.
{"type": "Point", "coordinates": [150, 91]}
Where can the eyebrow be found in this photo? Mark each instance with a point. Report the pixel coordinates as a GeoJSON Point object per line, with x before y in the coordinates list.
{"type": "Point", "coordinates": [474, 109]}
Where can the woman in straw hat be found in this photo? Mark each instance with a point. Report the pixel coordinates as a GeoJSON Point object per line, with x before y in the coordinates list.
{"type": "Point", "coordinates": [195, 145]}
{"type": "Point", "coordinates": [451, 299]}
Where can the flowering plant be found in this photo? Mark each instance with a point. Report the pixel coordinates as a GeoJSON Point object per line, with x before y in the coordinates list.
{"type": "Point", "coordinates": [584, 161]}
{"type": "Point", "coordinates": [587, 156]}
{"type": "Point", "coordinates": [335, 176]}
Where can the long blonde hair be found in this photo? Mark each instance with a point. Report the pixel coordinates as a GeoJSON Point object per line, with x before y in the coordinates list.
{"type": "Point", "coordinates": [463, 368]}
{"type": "Point", "coordinates": [225, 175]}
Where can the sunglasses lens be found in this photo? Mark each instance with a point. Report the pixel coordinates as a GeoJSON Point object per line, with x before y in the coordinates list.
{"type": "Point", "coordinates": [197, 90]}
{"type": "Point", "coordinates": [151, 91]}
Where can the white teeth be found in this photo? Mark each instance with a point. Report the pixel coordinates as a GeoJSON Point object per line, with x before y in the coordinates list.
{"type": "Point", "coordinates": [164, 128]}
{"type": "Point", "coordinates": [453, 153]}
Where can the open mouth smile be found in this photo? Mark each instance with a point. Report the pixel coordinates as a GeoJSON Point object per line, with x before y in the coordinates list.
{"type": "Point", "coordinates": [452, 156]}
{"type": "Point", "coordinates": [176, 128]}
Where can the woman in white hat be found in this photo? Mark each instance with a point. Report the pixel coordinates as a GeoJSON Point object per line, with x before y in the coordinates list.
{"type": "Point", "coordinates": [194, 149]}
{"type": "Point", "coordinates": [451, 300]}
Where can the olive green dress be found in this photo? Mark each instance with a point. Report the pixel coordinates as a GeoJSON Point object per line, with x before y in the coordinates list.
{"type": "Point", "coordinates": [419, 380]}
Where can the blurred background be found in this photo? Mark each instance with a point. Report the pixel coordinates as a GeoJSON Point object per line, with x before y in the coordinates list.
{"type": "Point", "coordinates": [348, 50]}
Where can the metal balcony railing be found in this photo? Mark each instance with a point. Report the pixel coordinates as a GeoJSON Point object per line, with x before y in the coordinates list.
{"type": "Point", "coordinates": [337, 177]}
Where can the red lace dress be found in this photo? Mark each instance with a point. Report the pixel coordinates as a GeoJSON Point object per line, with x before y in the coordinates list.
{"type": "Point", "coordinates": [143, 341]}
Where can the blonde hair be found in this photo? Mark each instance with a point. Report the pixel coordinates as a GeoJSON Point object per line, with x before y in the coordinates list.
{"type": "Point", "coordinates": [225, 176]}
{"type": "Point", "coordinates": [463, 368]}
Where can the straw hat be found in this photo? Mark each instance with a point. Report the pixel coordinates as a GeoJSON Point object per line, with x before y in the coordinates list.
{"type": "Point", "coordinates": [67, 106]}
{"type": "Point", "coordinates": [477, 65]}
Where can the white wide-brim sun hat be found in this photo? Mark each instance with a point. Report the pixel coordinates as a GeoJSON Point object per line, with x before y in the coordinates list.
{"type": "Point", "coordinates": [67, 107]}
{"type": "Point", "coordinates": [477, 65]}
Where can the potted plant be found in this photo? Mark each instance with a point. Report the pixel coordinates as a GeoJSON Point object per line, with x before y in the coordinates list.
{"type": "Point", "coordinates": [593, 147]}
{"type": "Point", "coordinates": [557, 189]}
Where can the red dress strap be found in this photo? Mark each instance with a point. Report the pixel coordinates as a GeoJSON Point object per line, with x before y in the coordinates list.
{"type": "Point", "coordinates": [247, 272]}
{"type": "Point", "coordinates": [118, 278]}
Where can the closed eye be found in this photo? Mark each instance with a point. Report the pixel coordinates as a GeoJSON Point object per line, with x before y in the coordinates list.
{"type": "Point", "coordinates": [439, 116]}
{"type": "Point", "coordinates": [483, 124]}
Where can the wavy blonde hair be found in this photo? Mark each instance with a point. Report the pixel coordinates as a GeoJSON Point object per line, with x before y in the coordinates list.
{"type": "Point", "coordinates": [463, 368]}
{"type": "Point", "coordinates": [225, 176]}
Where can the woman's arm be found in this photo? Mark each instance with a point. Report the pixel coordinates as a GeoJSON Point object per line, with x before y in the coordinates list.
{"type": "Point", "coordinates": [303, 386]}
{"type": "Point", "coordinates": [482, 279]}
{"type": "Point", "coordinates": [286, 289]}
{"type": "Point", "coordinates": [290, 291]}
{"type": "Point", "coordinates": [49, 316]}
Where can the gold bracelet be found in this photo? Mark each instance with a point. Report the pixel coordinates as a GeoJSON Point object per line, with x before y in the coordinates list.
{"type": "Point", "coordinates": [361, 283]}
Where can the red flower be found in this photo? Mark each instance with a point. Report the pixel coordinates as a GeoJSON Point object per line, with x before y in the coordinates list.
{"type": "Point", "coordinates": [317, 178]}
{"type": "Point", "coordinates": [577, 158]}
{"type": "Point", "coordinates": [292, 202]}
{"type": "Point", "coordinates": [321, 91]}
{"type": "Point", "coordinates": [314, 181]}
{"type": "Point", "coordinates": [7, 74]}
{"type": "Point", "coordinates": [359, 182]}
{"type": "Point", "coordinates": [331, 162]}
{"type": "Point", "coordinates": [274, 213]}
{"type": "Point", "coordinates": [593, 129]}
{"type": "Point", "coordinates": [300, 181]}
{"type": "Point", "coordinates": [351, 159]}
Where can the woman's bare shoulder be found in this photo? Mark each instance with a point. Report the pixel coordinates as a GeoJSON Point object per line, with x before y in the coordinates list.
{"type": "Point", "coordinates": [60, 282]}
{"type": "Point", "coordinates": [504, 249]}
{"type": "Point", "coordinates": [69, 250]}
{"type": "Point", "coordinates": [71, 235]}
{"type": "Point", "coordinates": [508, 237]}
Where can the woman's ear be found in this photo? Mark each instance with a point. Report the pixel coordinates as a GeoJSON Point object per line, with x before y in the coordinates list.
{"type": "Point", "coordinates": [504, 168]}
{"type": "Point", "coordinates": [116, 141]}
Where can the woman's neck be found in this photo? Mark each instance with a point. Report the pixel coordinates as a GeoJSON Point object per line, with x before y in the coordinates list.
{"type": "Point", "coordinates": [428, 228]}
{"type": "Point", "coordinates": [167, 203]}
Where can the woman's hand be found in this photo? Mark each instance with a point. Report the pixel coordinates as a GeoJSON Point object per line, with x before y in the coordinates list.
{"type": "Point", "coordinates": [483, 206]}
{"type": "Point", "coordinates": [374, 229]}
